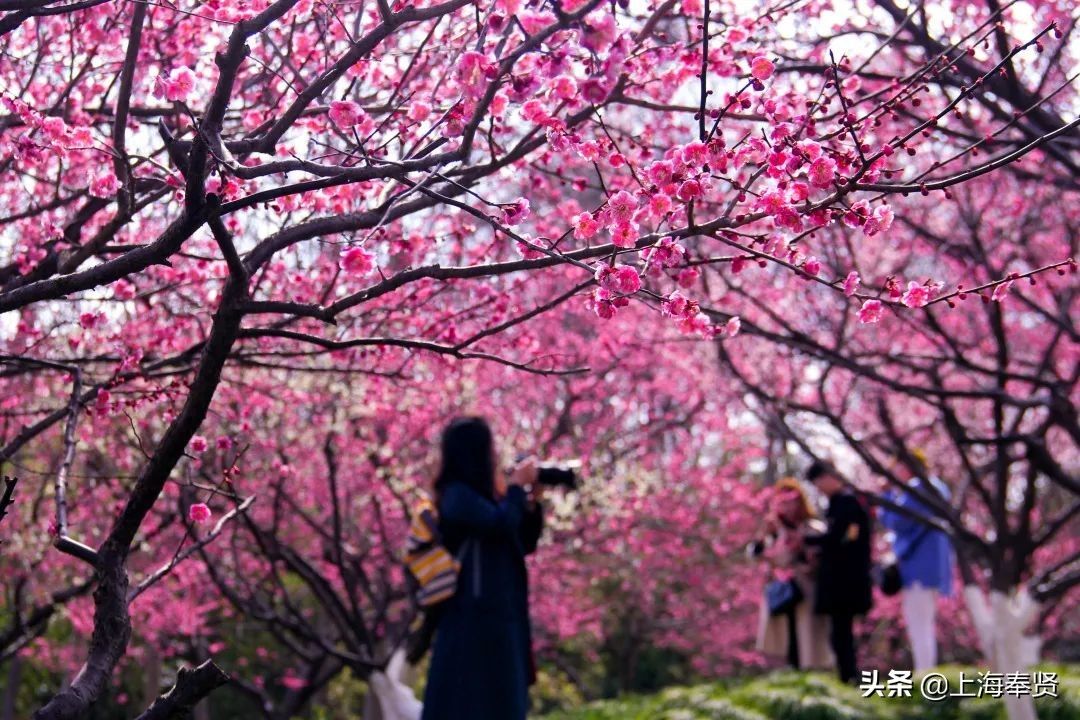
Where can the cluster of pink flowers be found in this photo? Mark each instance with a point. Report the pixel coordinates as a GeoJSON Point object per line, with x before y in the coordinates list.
{"type": "Point", "coordinates": [605, 303]}
{"type": "Point", "coordinates": [599, 31]}
{"type": "Point", "coordinates": [873, 221]}
{"type": "Point", "coordinates": [692, 320]}
{"type": "Point", "coordinates": [666, 253]}
{"type": "Point", "coordinates": [475, 69]}
{"type": "Point", "coordinates": [621, 279]}
{"type": "Point", "coordinates": [347, 114]}
{"type": "Point", "coordinates": [677, 305]}
{"type": "Point", "coordinates": [679, 177]}
{"type": "Point", "coordinates": [687, 277]}
{"type": "Point", "coordinates": [698, 324]}
{"type": "Point", "coordinates": [619, 216]}
{"type": "Point", "coordinates": [177, 87]}
{"type": "Point", "coordinates": [879, 221]}
{"type": "Point", "coordinates": [783, 213]}
{"type": "Point", "coordinates": [917, 295]}
{"type": "Point", "coordinates": [59, 134]}
{"type": "Point", "coordinates": [228, 190]}
{"type": "Point", "coordinates": [123, 290]}
{"type": "Point", "coordinates": [105, 184]}
{"type": "Point", "coordinates": [616, 282]}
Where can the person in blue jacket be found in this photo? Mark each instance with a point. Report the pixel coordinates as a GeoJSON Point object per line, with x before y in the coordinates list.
{"type": "Point", "coordinates": [481, 664]}
{"type": "Point", "coordinates": [925, 558]}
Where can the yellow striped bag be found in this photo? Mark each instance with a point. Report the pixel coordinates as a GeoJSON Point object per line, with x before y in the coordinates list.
{"type": "Point", "coordinates": [431, 565]}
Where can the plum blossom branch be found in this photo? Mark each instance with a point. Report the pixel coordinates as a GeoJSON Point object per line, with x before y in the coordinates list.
{"type": "Point", "coordinates": [6, 499]}
{"type": "Point", "coordinates": [403, 343]}
{"type": "Point", "coordinates": [961, 291]}
{"type": "Point", "coordinates": [147, 582]}
{"type": "Point", "coordinates": [192, 685]}
{"type": "Point", "coordinates": [973, 172]}
{"type": "Point", "coordinates": [69, 454]}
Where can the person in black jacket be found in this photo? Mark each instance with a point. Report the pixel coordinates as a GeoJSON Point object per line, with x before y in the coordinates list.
{"type": "Point", "coordinates": [844, 588]}
{"type": "Point", "coordinates": [481, 663]}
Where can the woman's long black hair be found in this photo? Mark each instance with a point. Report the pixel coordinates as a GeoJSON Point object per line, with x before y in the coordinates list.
{"type": "Point", "coordinates": [468, 456]}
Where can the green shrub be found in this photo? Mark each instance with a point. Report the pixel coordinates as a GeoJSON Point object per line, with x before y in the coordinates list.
{"type": "Point", "coordinates": [815, 696]}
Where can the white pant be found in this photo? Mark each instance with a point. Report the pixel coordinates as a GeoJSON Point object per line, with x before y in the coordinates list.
{"type": "Point", "coordinates": [920, 607]}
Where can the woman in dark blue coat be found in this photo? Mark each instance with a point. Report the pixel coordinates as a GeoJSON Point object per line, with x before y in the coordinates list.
{"type": "Point", "coordinates": [481, 665]}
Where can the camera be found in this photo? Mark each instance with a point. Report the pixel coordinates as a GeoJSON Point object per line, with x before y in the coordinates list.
{"type": "Point", "coordinates": [553, 475]}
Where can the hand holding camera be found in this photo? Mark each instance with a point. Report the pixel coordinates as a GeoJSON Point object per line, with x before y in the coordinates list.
{"type": "Point", "coordinates": [534, 477]}
{"type": "Point", "coordinates": [524, 473]}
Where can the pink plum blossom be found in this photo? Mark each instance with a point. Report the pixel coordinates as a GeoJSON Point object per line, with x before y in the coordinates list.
{"type": "Point", "coordinates": [621, 206]}
{"type": "Point", "coordinates": [687, 277]}
{"type": "Point", "coordinates": [346, 113]}
{"type": "Point", "coordinates": [871, 311]}
{"type": "Point", "coordinates": [879, 221]}
{"type": "Point", "coordinates": [105, 185]}
{"type": "Point", "coordinates": [822, 172]}
{"type": "Point", "coordinates": [857, 214]}
{"type": "Point", "coordinates": [178, 86]}
{"type": "Point", "coordinates": [762, 68]}
{"type": "Point", "coordinates": [851, 283]}
{"type": "Point", "coordinates": [695, 154]}
{"type": "Point", "coordinates": [419, 110]}
{"type": "Point", "coordinates": [698, 324]}
{"type": "Point", "coordinates": [516, 212]}
{"type": "Point", "coordinates": [675, 305]}
{"type": "Point", "coordinates": [585, 225]}
{"type": "Point", "coordinates": [666, 253]}
{"type": "Point", "coordinates": [605, 304]}
{"type": "Point", "coordinates": [564, 87]}
{"type": "Point", "coordinates": [689, 190]}
{"type": "Point", "coordinates": [358, 261]}
{"type": "Point", "coordinates": [624, 235]}
{"type": "Point", "coordinates": [199, 513]}
{"type": "Point", "coordinates": [917, 295]}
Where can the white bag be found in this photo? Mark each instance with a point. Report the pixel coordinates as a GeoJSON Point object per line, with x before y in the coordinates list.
{"type": "Point", "coordinates": [394, 696]}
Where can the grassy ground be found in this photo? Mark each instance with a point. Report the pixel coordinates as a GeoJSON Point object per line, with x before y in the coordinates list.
{"type": "Point", "coordinates": [795, 696]}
